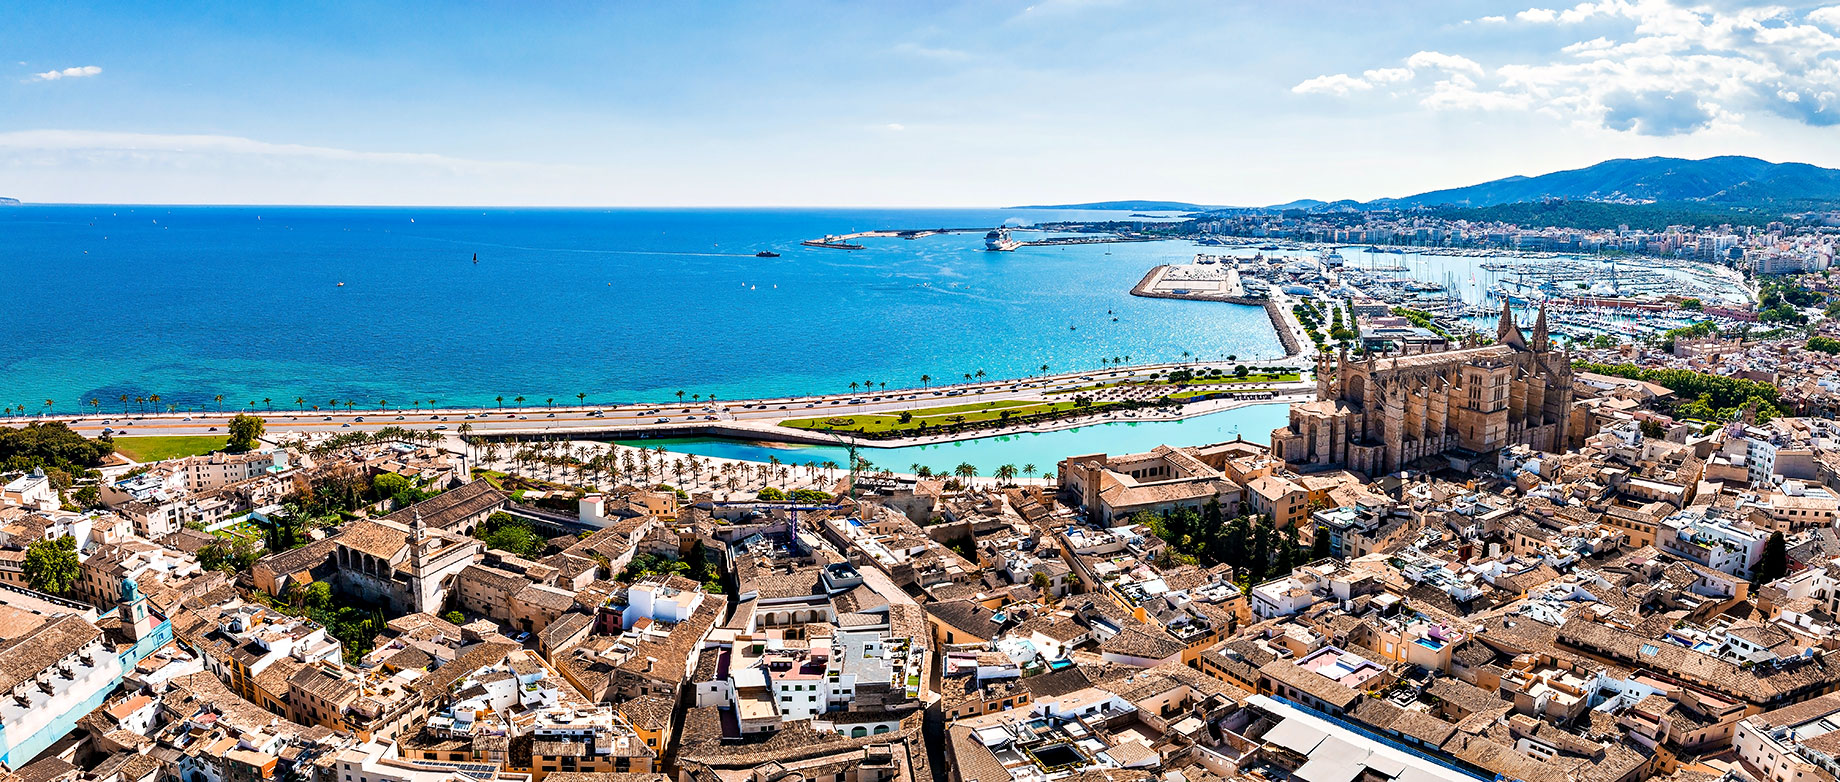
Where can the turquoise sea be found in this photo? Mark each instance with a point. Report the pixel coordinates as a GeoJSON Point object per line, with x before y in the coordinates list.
{"type": "Point", "coordinates": [316, 304]}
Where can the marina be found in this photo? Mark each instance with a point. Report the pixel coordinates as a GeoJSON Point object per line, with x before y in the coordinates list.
{"type": "Point", "coordinates": [1585, 296]}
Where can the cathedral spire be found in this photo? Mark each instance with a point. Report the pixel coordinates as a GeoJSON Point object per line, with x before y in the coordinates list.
{"type": "Point", "coordinates": [1542, 341]}
{"type": "Point", "coordinates": [1507, 332]}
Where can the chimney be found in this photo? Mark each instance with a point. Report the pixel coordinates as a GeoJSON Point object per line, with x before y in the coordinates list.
{"type": "Point", "coordinates": [649, 662]}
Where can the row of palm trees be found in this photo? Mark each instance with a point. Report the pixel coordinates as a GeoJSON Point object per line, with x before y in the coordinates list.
{"type": "Point", "coordinates": [1004, 474]}
{"type": "Point", "coordinates": [593, 465]}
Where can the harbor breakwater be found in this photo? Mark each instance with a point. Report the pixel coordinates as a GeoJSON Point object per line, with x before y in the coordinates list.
{"type": "Point", "coordinates": [1280, 319]}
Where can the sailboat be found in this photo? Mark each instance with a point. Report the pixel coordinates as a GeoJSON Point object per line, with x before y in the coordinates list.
{"type": "Point", "coordinates": [475, 259]}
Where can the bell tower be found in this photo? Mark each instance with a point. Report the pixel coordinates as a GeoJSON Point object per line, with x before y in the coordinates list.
{"type": "Point", "coordinates": [136, 621]}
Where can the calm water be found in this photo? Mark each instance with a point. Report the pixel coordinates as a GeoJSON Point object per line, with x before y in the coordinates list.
{"type": "Point", "coordinates": [1041, 449]}
{"type": "Point", "coordinates": [192, 302]}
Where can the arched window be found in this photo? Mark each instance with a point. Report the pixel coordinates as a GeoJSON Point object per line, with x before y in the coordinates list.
{"type": "Point", "coordinates": [858, 732]}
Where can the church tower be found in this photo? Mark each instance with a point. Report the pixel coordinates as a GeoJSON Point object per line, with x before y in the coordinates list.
{"type": "Point", "coordinates": [1507, 332]}
{"type": "Point", "coordinates": [1542, 341]}
{"type": "Point", "coordinates": [136, 621]}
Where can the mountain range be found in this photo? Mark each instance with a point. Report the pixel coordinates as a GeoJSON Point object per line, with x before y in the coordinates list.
{"type": "Point", "coordinates": [1728, 181]}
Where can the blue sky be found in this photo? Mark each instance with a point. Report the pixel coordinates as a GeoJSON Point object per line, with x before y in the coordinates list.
{"type": "Point", "coordinates": [884, 103]}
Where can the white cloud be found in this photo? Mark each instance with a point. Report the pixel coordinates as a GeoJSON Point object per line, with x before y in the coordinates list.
{"type": "Point", "coordinates": [1445, 62]}
{"type": "Point", "coordinates": [1387, 75]}
{"type": "Point", "coordinates": [1334, 84]}
{"type": "Point", "coordinates": [895, 126]}
{"type": "Point", "coordinates": [77, 72]}
{"type": "Point", "coordinates": [1493, 19]}
{"type": "Point", "coordinates": [1663, 69]}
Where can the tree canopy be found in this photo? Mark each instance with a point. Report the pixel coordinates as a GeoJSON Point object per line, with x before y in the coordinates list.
{"type": "Point", "coordinates": [244, 429]}
{"type": "Point", "coordinates": [50, 445]}
{"type": "Point", "coordinates": [51, 565]}
{"type": "Point", "coordinates": [506, 532]}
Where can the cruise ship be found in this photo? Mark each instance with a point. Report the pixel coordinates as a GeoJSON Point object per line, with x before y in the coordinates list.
{"type": "Point", "coordinates": [1000, 240]}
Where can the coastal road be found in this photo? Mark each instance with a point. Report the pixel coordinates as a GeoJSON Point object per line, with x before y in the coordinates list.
{"type": "Point", "coordinates": [761, 415]}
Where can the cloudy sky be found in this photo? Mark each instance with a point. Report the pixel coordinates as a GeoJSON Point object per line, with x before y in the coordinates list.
{"type": "Point", "coordinates": [887, 103]}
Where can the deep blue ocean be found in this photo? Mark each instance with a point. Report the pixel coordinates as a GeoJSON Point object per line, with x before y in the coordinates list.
{"type": "Point", "coordinates": [620, 305]}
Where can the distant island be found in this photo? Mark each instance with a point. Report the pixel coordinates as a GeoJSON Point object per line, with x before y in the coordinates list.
{"type": "Point", "coordinates": [1124, 206]}
{"type": "Point", "coordinates": [4, 201]}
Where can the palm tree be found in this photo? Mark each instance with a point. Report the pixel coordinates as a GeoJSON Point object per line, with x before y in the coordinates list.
{"type": "Point", "coordinates": [47, 407]}
{"type": "Point", "coordinates": [581, 398]}
{"type": "Point", "coordinates": [519, 400]}
{"type": "Point", "coordinates": [501, 401]}
{"type": "Point", "coordinates": [680, 396]}
{"type": "Point", "coordinates": [965, 470]}
{"type": "Point", "coordinates": [1006, 473]}
{"type": "Point", "coordinates": [1029, 469]}
{"type": "Point", "coordinates": [696, 397]}
{"type": "Point", "coordinates": [266, 402]}
{"type": "Point", "coordinates": [551, 401]}
{"type": "Point", "coordinates": [853, 385]}
{"type": "Point", "coordinates": [96, 403]}
{"type": "Point", "coordinates": [1044, 369]}
{"type": "Point", "coordinates": [980, 374]}
{"type": "Point", "coordinates": [300, 403]}
{"type": "Point", "coordinates": [350, 403]}
{"type": "Point", "coordinates": [220, 402]}
{"type": "Point", "coordinates": [925, 380]}
{"type": "Point", "coordinates": [155, 399]}
{"type": "Point", "coordinates": [383, 403]}
{"type": "Point", "coordinates": [884, 385]}
{"type": "Point", "coordinates": [415, 404]}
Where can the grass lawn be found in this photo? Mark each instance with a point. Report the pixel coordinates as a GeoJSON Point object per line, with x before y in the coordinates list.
{"type": "Point", "coordinates": [243, 529]}
{"type": "Point", "coordinates": [1206, 391]}
{"type": "Point", "coordinates": [153, 449]}
{"type": "Point", "coordinates": [931, 416]}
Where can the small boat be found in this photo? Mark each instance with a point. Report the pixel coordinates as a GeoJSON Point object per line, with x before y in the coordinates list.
{"type": "Point", "coordinates": [475, 258]}
{"type": "Point", "coordinates": [766, 254]}
{"type": "Point", "coordinates": [341, 285]}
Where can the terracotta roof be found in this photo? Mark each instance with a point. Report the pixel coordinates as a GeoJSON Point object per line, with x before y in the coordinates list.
{"type": "Point", "coordinates": [451, 507]}
{"type": "Point", "coordinates": [25, 656]}
{"type": "Point", "coordinates": [378, 540]}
